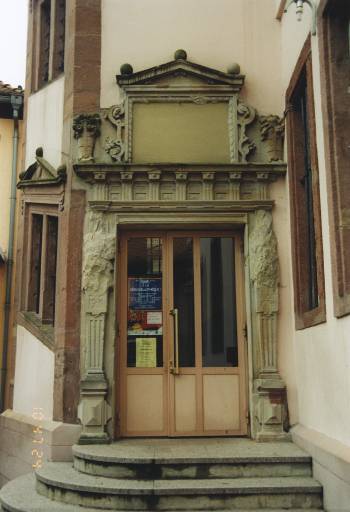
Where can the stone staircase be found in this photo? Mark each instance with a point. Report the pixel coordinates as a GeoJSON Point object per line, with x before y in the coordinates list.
{"type": "Point", "coordinates": [171, 474]}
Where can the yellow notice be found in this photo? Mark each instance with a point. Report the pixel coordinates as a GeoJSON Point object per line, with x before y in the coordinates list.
{"type": "Point", "coordinates": [146, 352]}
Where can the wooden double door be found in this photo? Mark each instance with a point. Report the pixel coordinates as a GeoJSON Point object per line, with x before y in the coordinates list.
{"type": "Point", "coordinates": [181, 335]}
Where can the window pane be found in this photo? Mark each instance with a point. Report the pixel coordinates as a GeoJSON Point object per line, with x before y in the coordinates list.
{"type": "Point", "coordinates": [218, 299]}
{"type": "Point", "coordinates": [35, 264]}
{"type": "Point", "coordinates": [145, 316]}
{"type": "Point", "coordinates": [184, 299]}
{"type": "Point", "coordinates": [48, 311]}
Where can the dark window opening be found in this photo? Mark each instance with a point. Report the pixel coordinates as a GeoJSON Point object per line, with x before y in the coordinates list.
{"type": "Point", "coordinates": [300, 104]}
{"type": "Point", "coordinates": [308, 272]}
{"type": "Point", "coordinates": [42, 267]}
{"type": "Point", "coordinates": [44, 50]}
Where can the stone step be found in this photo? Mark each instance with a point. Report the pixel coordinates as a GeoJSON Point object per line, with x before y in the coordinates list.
{"type": "Point", "coordinates": [167, 459]}
{"type": "Point", "coordinates": [61, 482]}
{"type": "Point", "coordinates": [20, 496]}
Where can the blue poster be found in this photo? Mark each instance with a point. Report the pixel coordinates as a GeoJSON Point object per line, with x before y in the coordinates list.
{"type": "Point", "coordinates": [145, 293]}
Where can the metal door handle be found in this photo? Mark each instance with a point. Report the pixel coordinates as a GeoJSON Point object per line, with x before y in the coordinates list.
{"type": "Point", "coordinates": [174, 368]}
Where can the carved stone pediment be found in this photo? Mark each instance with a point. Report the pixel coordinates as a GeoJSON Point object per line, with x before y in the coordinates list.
{"type": "Point", "coordinates": [41, 172]}
{"type": "Point", "coordinates": [181, 72]}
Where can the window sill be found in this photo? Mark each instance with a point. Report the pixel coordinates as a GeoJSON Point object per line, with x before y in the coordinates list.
{"type": "Point", "coordinates": [310, 318]}
{"type": "Point", "coordinates": [43, 332]}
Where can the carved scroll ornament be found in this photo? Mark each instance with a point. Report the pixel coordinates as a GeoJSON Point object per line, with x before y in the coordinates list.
{"type": "Point", "coordinates": [115, 146]}
{"type": "Point", "coordinates": [245, 116]}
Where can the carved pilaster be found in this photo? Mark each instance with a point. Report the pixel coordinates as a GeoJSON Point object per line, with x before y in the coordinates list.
{"type": "Point", "coordinates": [263, 185]}
{"type": "Point", "coordinates": [97, 281]}
{"type": "Point", "coordinates": [235, 186]}
{"type": "Point", "coordinates": [181, 185]}
{"type": "Point", "coordinates": [100, 188]}
{"type": "Point", "coordinates": [154, 183]}
{"type": "Point", "coordinates": [86, 129]}
{"type": "Point", "coordinates": [268, 388]}
{"type": "Point", "coordinates": [208, 185]}
{"type": "Point", "coordinates": [126, 179]}
{"type": "Point", "coordinates": [272, 131]}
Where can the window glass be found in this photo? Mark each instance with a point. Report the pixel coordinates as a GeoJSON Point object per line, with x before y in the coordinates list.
{"type": "Point", "coordinates": [184, 299]}
{"type": "Point", "coordinates": [218, 300]}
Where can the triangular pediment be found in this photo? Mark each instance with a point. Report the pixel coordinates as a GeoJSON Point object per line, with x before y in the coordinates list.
{"type": "Point", "coordinates": [181, 72]}
{"type": "Point", "coordinates": [41, 172]}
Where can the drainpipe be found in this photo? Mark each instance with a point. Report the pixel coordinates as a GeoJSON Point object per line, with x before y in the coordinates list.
{"type": "Point", "coordinates": [16, 102]}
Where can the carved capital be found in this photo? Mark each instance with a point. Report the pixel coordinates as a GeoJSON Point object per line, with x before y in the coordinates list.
{"type": "Point", "coordinates": [86, 128]}
{"type": "Point", "coordinates": [272, 131]}
{"type": "Point", "coordinates": [126, 175]}
{"type": "Point", "coordinates": [154, 175]}
{"type": "Point", "coordinates": [181, 176]}
{"type": "Point", "coordinates": [208, 176]}
{"type": "Point", "coordinates": [235, 176]}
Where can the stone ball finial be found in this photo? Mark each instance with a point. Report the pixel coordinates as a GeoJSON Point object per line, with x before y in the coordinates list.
{"type": "Point", "coordinates": [234, 69]}
{"type": "Point", "coordinates": [180, 55]}
{"type": "Point", "coordinates": [126, 69]}
{"type": "Point", "coordinates": [39, 152]}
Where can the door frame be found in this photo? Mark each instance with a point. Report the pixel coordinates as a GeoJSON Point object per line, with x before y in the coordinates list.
{"type": "Point", "coordinates": [168, 234]}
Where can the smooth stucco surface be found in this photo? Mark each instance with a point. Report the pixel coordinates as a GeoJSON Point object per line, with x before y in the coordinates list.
{"type": "Point", "coordinates": [45, 122]}
{"type": "Point", "coordinates": [34, 375]}
{"type": "Point", "coordinates": [214, 34]}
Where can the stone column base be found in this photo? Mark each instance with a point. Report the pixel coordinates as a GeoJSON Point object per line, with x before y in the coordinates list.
{"type": "Point", "coordinates": [93, 410]}
{"type": "Point", "coordinates": [269, 399]}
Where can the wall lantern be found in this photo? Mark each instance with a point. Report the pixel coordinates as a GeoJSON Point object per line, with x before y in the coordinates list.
{"type": "Point", "coordinates": [300, 10]}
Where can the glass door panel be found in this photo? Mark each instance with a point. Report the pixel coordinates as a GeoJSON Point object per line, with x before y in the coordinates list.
{"type": "Point", "coordinates": [184, 299]}
{"type": "Point", "coordinates": [144, 310]}
{"type": "Point", "coordinates": [218, 302]}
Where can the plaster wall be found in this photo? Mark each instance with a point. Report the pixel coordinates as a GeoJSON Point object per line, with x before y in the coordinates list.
{"type": "Point", "coordinates": [214, 34]}
{"type": "Point", "coordinates": [34, 375]}
{"type": "Point", "coordinates": [6, 140]}
{"type": "Point", "coordinates": [45, 123]}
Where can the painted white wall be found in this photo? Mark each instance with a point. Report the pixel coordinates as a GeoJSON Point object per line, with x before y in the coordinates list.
{"type": "Point", "coordinates": [34, 375]}
{"type": "Point", "coordinates": [214, 33]}
{"type": "Point", "coordinates": [45, 122]}
{"type": "Point", "coordinates": [322, 352]}
{"type": "Point", "coordinates": [6, 139]}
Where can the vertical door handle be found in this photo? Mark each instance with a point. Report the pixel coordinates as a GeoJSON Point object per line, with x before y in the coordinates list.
{"type": "Point", "coordinates": [174, 367]}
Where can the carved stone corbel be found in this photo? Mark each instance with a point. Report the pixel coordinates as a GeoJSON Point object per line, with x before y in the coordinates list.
{"type": "Point", "coordinates": [86, 129]}
{"type": "Point", "coordinates": [268, 388]}
{"type": "Point", "coordinates": [97, 281]}
{"type": "Point", "coordinates": [272, 131]}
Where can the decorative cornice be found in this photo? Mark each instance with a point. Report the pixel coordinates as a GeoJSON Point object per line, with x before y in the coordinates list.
{"type": "Point", "coordinates": [238, 207]}
{"type": "Point", "coordinates": [98, 173]}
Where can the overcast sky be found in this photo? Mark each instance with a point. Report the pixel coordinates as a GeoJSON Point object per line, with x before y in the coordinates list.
{"type": "Point", "coordinates": [13, 40]}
